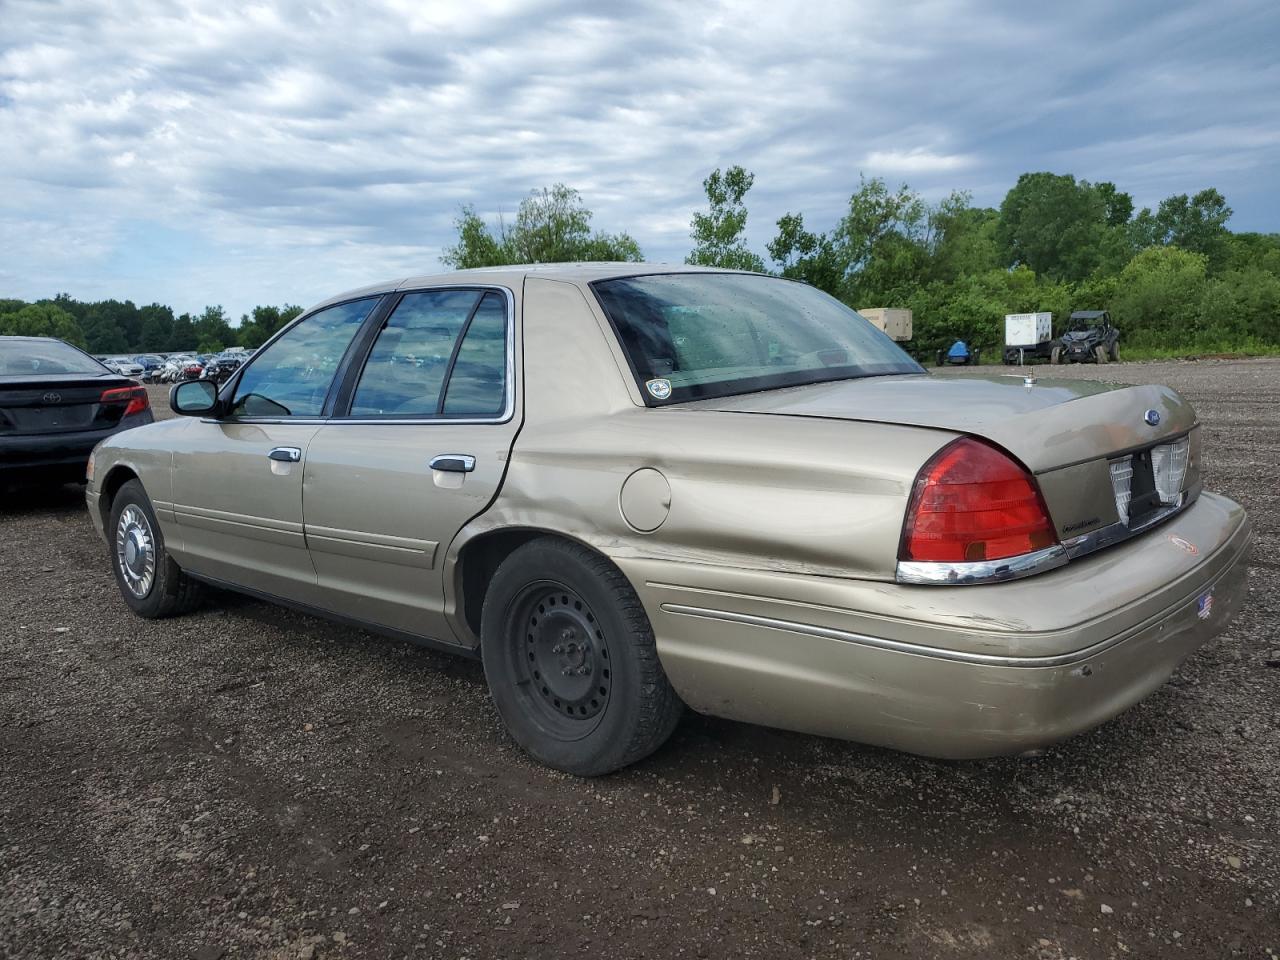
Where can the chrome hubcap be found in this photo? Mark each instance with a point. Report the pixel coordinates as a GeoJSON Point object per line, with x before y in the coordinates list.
{"type": "Point", "coordinates": [135, 551]}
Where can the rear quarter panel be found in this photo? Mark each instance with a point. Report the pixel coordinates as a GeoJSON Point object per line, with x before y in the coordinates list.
{"type": "Point", "coordinates": [801, 495]}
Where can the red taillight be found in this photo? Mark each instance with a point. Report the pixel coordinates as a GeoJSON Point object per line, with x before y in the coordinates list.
{"type": "Point", "coordinates": [974, 502]}
{"type": "Point", "coordinates": [135, 397]}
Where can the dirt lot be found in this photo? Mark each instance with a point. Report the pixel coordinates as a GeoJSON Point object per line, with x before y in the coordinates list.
{"type": "Point", "coordinates": [246, 782]}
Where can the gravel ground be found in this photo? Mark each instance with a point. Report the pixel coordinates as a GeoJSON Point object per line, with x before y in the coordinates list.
{"type": "Point", "coordinates": [247, 782]}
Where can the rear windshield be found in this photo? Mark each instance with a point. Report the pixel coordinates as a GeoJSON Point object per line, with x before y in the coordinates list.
{"type": "Point", "coordinates": [692, 335]}
{"type": "Point", "coordinates": [24, 358]}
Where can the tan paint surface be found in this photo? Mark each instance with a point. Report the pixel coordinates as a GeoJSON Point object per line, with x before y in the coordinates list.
{"type": "Point", "coordinates": [784, 506]}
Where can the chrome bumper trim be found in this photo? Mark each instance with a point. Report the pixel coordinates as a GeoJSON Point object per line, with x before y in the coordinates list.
{"type": "Point", "coordinates": [898, 646]}
{"type": "Point", "coordinates": [981, 571]}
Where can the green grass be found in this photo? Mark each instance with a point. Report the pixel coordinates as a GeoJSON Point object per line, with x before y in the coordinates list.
{"type": "Point", "coordinates": [1221, 349]}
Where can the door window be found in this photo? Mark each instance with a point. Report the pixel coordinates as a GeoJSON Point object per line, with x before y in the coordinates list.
{"type": "Point", "coordinates": [441, 353]}
{"type": "Point", "coordinates": [291, 377]}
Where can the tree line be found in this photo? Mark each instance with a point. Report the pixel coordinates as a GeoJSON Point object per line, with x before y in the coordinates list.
{"type": "Point", "coordinates": [1174, 278]}
{"type": "Point", "coordinates": [113, 327]}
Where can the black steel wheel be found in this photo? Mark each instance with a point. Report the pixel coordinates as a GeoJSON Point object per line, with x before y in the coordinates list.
{"type": "Point", "coordinates": [571, 660]}
{"type": "Point", "coordinates": [564, 662]}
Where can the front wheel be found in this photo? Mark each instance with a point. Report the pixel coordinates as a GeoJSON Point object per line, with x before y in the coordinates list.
{"type": "Point", "coordinates": [1055, 355]}
{"type": "Point", "coordinates": [152, 584]}
{"type": "Point", "coordinates": [1114, 352]}
{"type": "Point", "coordinates": [571, 661]}
{"type": "Point", "coordinates": [1100, 353]}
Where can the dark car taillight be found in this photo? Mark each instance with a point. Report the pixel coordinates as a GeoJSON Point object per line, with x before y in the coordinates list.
{"type": "Point", "coordinates": [973, 502]}
{"type": "Point", "coordinates": [136, 399]}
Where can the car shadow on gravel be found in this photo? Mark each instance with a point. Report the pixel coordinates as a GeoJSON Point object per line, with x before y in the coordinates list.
{"type": "Point", "coordinates": [37, 498]}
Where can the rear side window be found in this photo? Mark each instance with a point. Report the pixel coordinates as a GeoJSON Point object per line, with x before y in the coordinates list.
{"type": "Point", "coordinates": [441, 353]}
{"type": "Point", "coordinates": [291, 377]}
{"type": "Point", "coordinates": [693, 335]}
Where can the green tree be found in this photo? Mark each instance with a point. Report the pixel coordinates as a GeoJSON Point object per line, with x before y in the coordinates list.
{"type": "Point", "coordinates": [803, 255]}
{"type": "Point", "coordinates": [107, 316]}
{"type": "Point", "coordinates": [256, 329]}
{"type": "Point", "coordinates": [102, 334]}
{"type": "Point", "coordinates": [878, 251]}
{"type": "Point", "coordinates": [1158, 299]}
{"type": "Point", "coordinates": [476, 246]}
{"type": "Point", "coordinates": [156, 325]}
{"type": "Point", "coordinates": [1254, 250]}
{"type": "Point", "coordinates": [962, 239]}
{"type": "Point", "coordinates": [213, 330]}
{"type": "Point", "coordinates": [1241, 308]}
{"type": "Point", "coordinates": [40, 320]}
{"type": "Point", "coordinates": [552, 225]}
{"type": "Point", "coordinates": [717, 235]}
{"type": "Point", "coordinates": [1197, 224]}
{"type": "Point", "coordinates": [184, 336]}
{"type": "Point", "coordinates": [1057, 225]}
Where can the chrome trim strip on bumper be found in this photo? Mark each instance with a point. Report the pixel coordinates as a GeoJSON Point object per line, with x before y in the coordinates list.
{"type": "Point", "coordinates": [965, 656]}
{"type": "Point", "coordinates": [1087, 543]}
{"type": "Point", "coordinates": [981, 571]}
{"type": "Point", "coordinates": [898, 646]}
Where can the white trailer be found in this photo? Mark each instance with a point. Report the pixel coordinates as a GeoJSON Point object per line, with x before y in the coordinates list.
{"type": "Point", "coordinates": [1027, 335]}
{"type": "Point", "coordinates": [895, 321]}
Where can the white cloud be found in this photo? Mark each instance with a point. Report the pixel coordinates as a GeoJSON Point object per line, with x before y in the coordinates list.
{"type": "Point", "coordinates": [214, 152]}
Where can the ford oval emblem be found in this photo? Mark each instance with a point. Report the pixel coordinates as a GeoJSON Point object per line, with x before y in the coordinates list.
{"type": "Point", "coordinates": [1152, 417]}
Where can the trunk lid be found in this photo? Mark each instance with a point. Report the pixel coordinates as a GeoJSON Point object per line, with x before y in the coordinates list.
{"type": "Point", "coordinates": [58, 403]}
{"type": "Point", "coordinates": [1064, 431]}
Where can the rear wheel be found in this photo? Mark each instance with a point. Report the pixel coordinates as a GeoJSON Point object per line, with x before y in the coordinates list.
{"type": "Point", "coordinates": [152, 584]}
{"type": "Point", "coordinates": [571, 662]}
{"type": "Point", "coordinates": [1100, 353]}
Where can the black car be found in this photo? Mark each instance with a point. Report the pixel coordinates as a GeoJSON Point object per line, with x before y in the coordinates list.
{"type": "Point", "coordinates": [1091, 338]}
{"type": "Point", "coordinates": [56, 403]}
{"type": "Point", "coordinates": [220, 367]}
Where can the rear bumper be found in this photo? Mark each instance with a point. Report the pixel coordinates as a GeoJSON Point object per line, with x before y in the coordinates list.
{"type": "Point", "coordinates": [950, 672]}
{"type": "Point", "coordinates": [60, 453]}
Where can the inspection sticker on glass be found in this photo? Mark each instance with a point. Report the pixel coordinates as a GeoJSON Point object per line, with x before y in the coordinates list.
{"type": "Point", "coordinates": [659, 389]}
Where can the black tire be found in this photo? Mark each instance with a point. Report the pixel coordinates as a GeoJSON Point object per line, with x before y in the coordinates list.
{"type": "Point", "coordinates": [585, 708]}
{"type": "Point", "coordinates": [1055, 355]}
{"type": "Point", "coordinates": [1100, 353]}
{"type": "Point", "coordinates": [1114, 352]}
{"type": "Point", "coordinates": [163, 590]}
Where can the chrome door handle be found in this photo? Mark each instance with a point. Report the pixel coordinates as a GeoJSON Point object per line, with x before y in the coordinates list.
{"type": "Point", "coordinates": [286, 454]}
{"type": "Point", "coordinates": [453, 462]}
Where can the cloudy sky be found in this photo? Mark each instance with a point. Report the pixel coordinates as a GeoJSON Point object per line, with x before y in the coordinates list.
{"type": "Point", "coordinates": [220, 152]}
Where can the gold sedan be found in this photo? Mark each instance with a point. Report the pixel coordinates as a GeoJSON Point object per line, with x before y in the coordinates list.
{"type": "Point", "coordinates": [630, 488]}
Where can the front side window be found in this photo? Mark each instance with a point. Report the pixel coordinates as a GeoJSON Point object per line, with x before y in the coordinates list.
{"type": "Point", "coordinates": [716, 334]}
{"type": "Point", "coordinates": [291, 377]}
{"type": "Point", "coordinates": [441, 353]}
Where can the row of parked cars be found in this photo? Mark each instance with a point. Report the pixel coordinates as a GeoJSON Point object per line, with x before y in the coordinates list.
{"type": "Point", "coordinates": [174, 367]}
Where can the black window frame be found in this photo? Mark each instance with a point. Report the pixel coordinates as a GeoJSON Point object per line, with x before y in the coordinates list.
{"type": "Point", "coordinates": [362, 347]}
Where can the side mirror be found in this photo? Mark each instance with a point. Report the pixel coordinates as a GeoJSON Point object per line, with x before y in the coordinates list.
{"type": "Point", "coordinates": [194, 398]}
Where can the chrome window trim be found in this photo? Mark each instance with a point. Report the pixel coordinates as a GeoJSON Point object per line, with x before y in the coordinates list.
{"type": "Point", "coordinates": [509, 391]}
{"type": "Point", "coordinates": [509, 395]}
{"type": "Point", "coordinates": [981, 571]}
